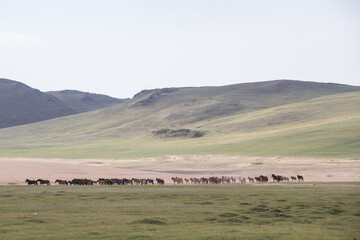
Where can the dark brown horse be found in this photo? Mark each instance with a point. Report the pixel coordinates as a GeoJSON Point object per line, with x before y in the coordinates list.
{"type": "Point", "coordinates": [215, 180]}
{"type": "Point", "coordinates": [136, 181]}
{"type": "Point", "coordinates": [177, 180]}
{"type": "Point", "coordinates": [117, 181]}
{"type": "Point", "coordinates": [101, 182]}
{"type": "Point", "coordinates": [61, 182]}
{"type": "Point", "coordinates": [263, 178]}
{"type": "Point", "coordinates": [43, 182]}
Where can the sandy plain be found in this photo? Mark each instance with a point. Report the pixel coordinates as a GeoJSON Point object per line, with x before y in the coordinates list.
{"type": "Point", "coordinates": [15, 170]}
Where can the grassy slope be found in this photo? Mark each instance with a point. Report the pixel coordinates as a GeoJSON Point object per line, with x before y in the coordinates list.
{"type": "Point", "coordinates": [180, 212]}
{"type": "Point", "coordinates": [322, 127]}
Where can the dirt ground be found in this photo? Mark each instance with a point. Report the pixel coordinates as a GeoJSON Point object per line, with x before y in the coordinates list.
{"type": "Point", "coordinates": [16, 170]}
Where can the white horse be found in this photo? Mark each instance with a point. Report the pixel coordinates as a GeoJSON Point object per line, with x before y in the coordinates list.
{"type": "Point", "coordinates": [242, 180]}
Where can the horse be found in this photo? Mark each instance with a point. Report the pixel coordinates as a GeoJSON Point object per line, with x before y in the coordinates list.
{"type": "Point", "coordinates": [215, 180]}
{"type": "Point", "coordinates": [233, 180]}
{"type": "Point", "coordinates": [186, 180]}
{"type": "Point", "coordinates": [251, 179]}
{"type": "Point", "coordinates": [108, 181]}
{"type": "Point", "coordinates": [136, 181]}
{"type": "Point", "coordinates": [286, 179]}
{"type": "Point", "coordinates": [101, 181]}
{"type": "Point", "coordinates": [43, 182]}
{"type": "Point", "coordinates": [89, 182]}
{"type": "Point", "coordinates": [263, 178]}
{"type": "Point", "coordinates": [293, 178]}
{"type": "Point", "coordinates": [275, 178]}
{"type": "Point", "coordinates": [195, 181]}
{"type": "Point", "coordinates": [75, 181]}
{"type": "Point", "coordinates": [177, 180]}
{"type": "Point", "coordinates": [300, 178]}
{"type": "Point", "coordinates": [278, 178]}
{"type": "Point", "coordinates": [150, 181]}
{"type": "Point", "coordinates": [61, 182]}
{"type": "Point", "coordinates": [160, 181]}
{"type": "Point", "coordinates": [225, 179]}
{"type": "Point", "coordinates": [204, 180]}
{"type": "Point", "coordinates": [242, 180]}
{"type": "Point", "coordinates": [31, 182]}
{"type": "Point", "coordinates": [127, 181]}
{"type": "Point", "coordinates": [117, 181]}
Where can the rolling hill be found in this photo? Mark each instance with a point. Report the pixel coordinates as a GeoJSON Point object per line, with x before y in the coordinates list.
{"type": "Point", "coordinates": [85, 101]}
{"type": "Point", "coordinates": [21, 104]}
{"type": "Point", "coordinates": [283, 117]}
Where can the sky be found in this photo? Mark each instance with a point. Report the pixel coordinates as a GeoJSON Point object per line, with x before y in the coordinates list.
{"type": "Point", "coordinates": [119, 47]}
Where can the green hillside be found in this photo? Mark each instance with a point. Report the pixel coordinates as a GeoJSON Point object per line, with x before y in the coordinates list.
{"type": "Point", "coordinates": [269, 124]}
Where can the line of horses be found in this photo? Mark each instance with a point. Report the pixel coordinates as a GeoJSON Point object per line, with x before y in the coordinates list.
{"type": "Point", "coordinates": [37, 182]}
{"type": "Point", "coordinates": [224, 179]}
{"type": "Point", "coordinates": [100, 181]}
{"type": "Point", "coordinates": [159, 181]}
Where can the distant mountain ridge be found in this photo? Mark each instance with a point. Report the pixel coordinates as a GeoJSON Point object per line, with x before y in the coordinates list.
{"type": "Point", "coordinates": [21, 104]}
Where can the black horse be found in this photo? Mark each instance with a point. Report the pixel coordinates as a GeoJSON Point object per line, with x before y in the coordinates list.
{"type": "Point", "coordinates": [275, 178]}
{"type": "Point", "coordinates": [160, 181]}
{"type": "Point", "coordinates": [300, 178]}
{"type": "Point", "coordinates": [31, 182]}
{"type": "Point", "coordinates": [150, 181]}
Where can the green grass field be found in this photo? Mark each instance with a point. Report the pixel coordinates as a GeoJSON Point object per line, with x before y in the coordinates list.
{"type": "Point", "coordinates": [291, 211]}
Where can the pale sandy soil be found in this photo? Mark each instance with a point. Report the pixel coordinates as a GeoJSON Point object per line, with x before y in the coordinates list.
{"type": "Point", "coordinates": [16, 170]}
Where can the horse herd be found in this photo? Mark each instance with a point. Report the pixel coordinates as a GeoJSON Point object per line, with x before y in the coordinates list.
{"type": "Point", "coordinates": [159, 181]}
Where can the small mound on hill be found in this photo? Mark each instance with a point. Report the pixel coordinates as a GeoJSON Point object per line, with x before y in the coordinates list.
{"type": "Point", "coordinates": [171, 133]}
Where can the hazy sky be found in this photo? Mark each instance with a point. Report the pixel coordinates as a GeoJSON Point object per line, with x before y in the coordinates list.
{"type": "Point", "coordinates": [121, 47]}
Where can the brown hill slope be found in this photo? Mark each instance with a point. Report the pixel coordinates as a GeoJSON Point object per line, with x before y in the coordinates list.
{"type": "Point", "coordinates": [21, 104]}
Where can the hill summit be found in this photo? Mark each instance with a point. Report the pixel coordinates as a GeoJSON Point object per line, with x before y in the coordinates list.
{"type": "Point", "coordinates": [21, 104]}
